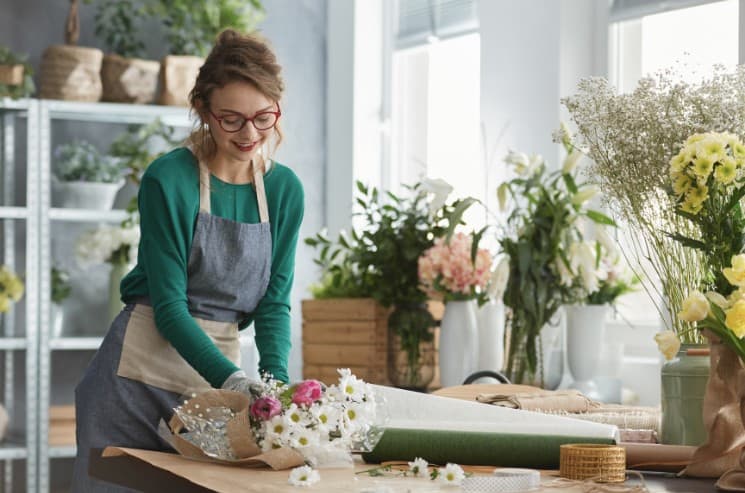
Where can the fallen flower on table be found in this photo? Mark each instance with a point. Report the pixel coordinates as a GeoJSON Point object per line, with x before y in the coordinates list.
{"type": "Point", "coordinates": [419, 468]}
{"type": "Point", "coordinates": [304, 476]}
{"type": "Point", "coordinates": [451, 474]}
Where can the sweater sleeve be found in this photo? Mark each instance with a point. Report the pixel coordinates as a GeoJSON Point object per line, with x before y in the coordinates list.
{"type": "Point", "coordinates": [166, 232]}
{"type": "Point", "coordinates": [272, 316]}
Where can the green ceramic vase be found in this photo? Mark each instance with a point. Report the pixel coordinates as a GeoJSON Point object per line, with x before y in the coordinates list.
{"type": "Point", "coordinates": [684, 381]}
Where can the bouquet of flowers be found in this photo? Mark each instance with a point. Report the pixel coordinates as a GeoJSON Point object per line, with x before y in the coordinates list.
{"type": "Point", "coordinates": [708, 184]}
{"type": "Point", "coordinates": [113, 244]}
{"type": "Point", "coordinates": [455, 270]}
{"type": "Point", "coordinates": [284, 425]}
{"type": "Point", "coordinates": [541, 230]}
{"type": "Point", "coordinates": [11, 288]}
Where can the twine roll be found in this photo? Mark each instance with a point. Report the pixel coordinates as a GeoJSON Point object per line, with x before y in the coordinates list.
{"type": "Point", "coordinates": [603, 463]}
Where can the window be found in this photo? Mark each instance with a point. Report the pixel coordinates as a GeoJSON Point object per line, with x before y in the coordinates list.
{"type": "Point", "coordinates": [436, 118]}
{"type": "Point", "coordinates": [657, 41]}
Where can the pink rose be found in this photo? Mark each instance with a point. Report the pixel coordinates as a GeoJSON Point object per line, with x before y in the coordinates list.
{"type": "Point", "coordinates": [307, 392]}
{"type": "Point", "coordinates": [265, 408]}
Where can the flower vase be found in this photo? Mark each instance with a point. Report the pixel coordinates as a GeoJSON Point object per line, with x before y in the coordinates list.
{"type": "Point", "coordinates": [118, 271]}
{"type": "Point", "coordinates": [57, 316]}
{"type": "Point", "coordinates": [684, 381]}
{"type": "Point", "coordinates": [458, 342]}
{"type": "Point", "coordinates": [585, 336]}
{"type": "Point", "coordinates": [411, 347]}
{"type": "Point", "coordinates": [490, 319]}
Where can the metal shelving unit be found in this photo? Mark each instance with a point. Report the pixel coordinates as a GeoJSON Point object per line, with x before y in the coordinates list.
{"type": "Point", "coordinates": [24, 447]}
{"type": "Point", "coordinates": [78, 112]}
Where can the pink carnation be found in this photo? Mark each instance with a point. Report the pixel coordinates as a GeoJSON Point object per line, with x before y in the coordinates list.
{"type": "Point", "coordinates": [265, 408]}
{"type": "Point", "coordinates": [307, 392]}
{"type": "Point", "coordinates": [447, 268]}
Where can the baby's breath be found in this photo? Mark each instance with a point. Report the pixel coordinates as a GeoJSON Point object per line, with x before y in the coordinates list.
{"type": "Point", "coordinates": [631, 139]}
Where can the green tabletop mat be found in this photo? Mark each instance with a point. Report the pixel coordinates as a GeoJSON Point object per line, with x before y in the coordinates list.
{"type": "Point", "coordinates": [473, 447]}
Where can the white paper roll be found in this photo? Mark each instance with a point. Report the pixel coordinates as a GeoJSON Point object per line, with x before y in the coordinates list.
{"type": "Point", "coordinates": [407, 409]}
{"type": "Point", "coordinates": [504, 480]}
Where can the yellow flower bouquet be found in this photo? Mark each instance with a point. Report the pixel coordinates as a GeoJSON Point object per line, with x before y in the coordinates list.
{"type": "Point", "coordinates": [11, 288]}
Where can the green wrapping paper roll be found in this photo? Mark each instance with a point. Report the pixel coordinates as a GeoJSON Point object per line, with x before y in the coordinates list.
{"type": "Point", "coordinates": [473, 448]}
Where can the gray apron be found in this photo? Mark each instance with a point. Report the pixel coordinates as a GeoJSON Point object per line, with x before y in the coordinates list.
{"type": "Point", "coordinates": [136, 377]}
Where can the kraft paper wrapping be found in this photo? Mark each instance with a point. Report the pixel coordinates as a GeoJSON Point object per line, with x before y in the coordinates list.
{"type": "Point", "coordinates": [239, 433]}
{"type": "Point", "coordinates": [442, 429]}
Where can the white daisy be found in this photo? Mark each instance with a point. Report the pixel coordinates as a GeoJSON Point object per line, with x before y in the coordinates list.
{"type": "Point", "coordinates": [419, 468]}
{"type": "Point", "coordinates": [304, 476]}
{"type": "Point", "coordinates": [451, 474]}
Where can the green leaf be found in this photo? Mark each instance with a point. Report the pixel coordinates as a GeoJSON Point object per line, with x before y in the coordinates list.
{"type": "Point", "coordinates": [456, 216]}
{"type": "Point", "coordinates": [735, 199]}
{"type": "Point", "coordinates": [569, 182]}
{"type": "Point", "coordinates": [689, 242]}
{"type": "Point", "coordinates": [600, 218]}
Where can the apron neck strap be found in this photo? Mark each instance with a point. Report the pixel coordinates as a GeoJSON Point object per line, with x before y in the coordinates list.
{"type": "Point", "coordinates": [204, 190]}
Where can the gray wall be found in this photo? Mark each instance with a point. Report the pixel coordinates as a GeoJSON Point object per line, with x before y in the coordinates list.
{"type": "Point", "coordinates": [297, 30]}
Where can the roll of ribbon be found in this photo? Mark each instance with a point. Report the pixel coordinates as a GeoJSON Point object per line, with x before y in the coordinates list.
{"type": "Point", "coordinates": [504, 480]}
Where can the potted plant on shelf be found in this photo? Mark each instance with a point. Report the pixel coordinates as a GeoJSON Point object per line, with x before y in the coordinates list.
{"type": "Point", "coordinates": [71, 72]}
{"type": "Point", "coordinates": [61, 290]}
{"type": "Point", "coordinates": [191, 28]}
{"type": "Point", "coordinates": [16, 79]}
{"type": "Point", "coordinates": [125, 76]}
{"type": "Point", "coordinates": [83, 178]}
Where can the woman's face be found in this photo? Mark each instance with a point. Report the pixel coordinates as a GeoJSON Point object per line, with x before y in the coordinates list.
{"type": "Point", "coordinates": [230, 106]}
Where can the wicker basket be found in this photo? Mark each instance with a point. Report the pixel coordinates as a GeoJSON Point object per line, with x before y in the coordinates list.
{"type": "Point", "coordinates": [604, 463]}
{"type": "Point", "coordinates": [71, 73]}
{"type": "Point", "coordinates": [11, 75]}
{"type": "Point", "coordinates": [129, 80]}
{"type": "Point", "coordinates": [177, 77]}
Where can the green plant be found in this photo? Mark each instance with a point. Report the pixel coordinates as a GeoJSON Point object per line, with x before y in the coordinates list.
{"type": "Point", "coordinates": [133, 149]}
{"type": "Point", "coordinates": [81, 161]}
{"type": "Point", "coordinates": [193, 25]}
{"type": "Point", "coordinates": [61, 287]}
{"type": "Point", "coordinates": [381, 259]}
{"type": "Point", "coordinates": [340, 272]}
{"type": "Point", "coordinates": [117, 23]}
{"type": "Point", "coordinates": [541, 229]}
{"type": "Point", "coordinates": [23, 90]}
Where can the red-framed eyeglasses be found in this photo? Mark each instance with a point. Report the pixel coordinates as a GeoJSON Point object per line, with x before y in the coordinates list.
{"type": "Point", "coordinates": [263, 120]}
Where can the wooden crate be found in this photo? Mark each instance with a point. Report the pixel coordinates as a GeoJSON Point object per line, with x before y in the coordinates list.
{"type": "Point", "coordinates": [345, 333]}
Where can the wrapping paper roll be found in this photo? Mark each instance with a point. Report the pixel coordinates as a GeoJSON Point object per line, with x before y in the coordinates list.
{"type": "Point", "coordinates": [473, 447]}
{"type": "Point", "coordinates": [442, 429]}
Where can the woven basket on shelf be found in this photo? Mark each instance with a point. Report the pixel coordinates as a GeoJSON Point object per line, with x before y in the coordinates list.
{"type": "Point", "coordinates": [604, 463]}
{"type": "Point", "coordinates": [129, 80]}
{"type": "Point", "coordinates": [177, 77]}
{"type": "Point", "coordinates": [71, 73]}
{"type": "Point", "coordinates": [11, 75]}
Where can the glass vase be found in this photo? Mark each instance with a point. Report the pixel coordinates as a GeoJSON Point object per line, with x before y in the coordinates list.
{"type": "Point", "coordinates": [411, 347]}
{"type": "Point", "coordinates": [517, 368]}
{"type": "Point", "coordinates": [684, 381]}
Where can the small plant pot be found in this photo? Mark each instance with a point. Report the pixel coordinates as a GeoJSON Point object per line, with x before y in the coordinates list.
{"type": "Point", "coordinates": [84, 195]}
{"type": "Point", "coordinates": [178, 74]}
{"type": "Point", "coordinates": [11, 75]}
{"type": "Point", "coordinates": [71, 73]}
{"type": "Point", "coordinates": [129, 80]}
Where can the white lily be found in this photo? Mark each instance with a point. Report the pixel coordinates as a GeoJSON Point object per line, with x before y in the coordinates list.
{"type": "Point", "coordinates": [571, 161]}
{"type": "Point", "coordinates": [584, 195]}
{"type": "Point", "coordinates": [440, 190]}
{"type": "Point", "coordinates": [499, 278]}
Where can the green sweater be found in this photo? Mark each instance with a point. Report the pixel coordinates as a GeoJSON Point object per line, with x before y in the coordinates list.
{"type": "Point", "coordinates": [169, 204]}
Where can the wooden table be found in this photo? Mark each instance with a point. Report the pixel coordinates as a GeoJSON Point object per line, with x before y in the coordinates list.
{"type": "Point", "coordinates": [132, 472]}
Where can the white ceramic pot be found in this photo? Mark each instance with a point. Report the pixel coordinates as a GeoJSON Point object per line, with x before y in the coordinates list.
{"type": "Point", "coordinates": [84, 195]}
{"type": "Point", "coordinates": [585, 336]}
{"type": "Point", "coordinates": [458, 342]}
{"type": "Point", "coordinates": [490, 318]}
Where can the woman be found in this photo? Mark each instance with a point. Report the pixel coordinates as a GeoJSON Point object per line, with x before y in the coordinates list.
{"type": "Point", "coordinates": [219, 226]}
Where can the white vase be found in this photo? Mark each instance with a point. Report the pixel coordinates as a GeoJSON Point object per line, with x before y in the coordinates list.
{"type": "Point", "coordinates": [57, 316]}
{"type": "Point", "coordinates": [84, 195]}
{"type": "Point", "coordinates": [585, 337]}
{"type": "Point", "coordinates": [118, 271]}
{"type": "Point", "coordinates": [458, 342]}
{"type": "Point", "coordinates": [490, 318]}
